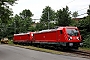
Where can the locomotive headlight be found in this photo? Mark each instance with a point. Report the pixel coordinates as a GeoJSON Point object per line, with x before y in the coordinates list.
{"type": "Point", "coordinates": [81, 44]}
{"type": "Point", "coordinates": [31, 34]}
{"type": "Point", "coordinates": [70, 44]}
{"type": "Point", "coordinates": [69, 38]}
{"type": "Point", "coordinates": [78, 38]}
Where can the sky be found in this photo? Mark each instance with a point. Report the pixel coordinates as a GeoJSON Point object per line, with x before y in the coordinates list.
{"type": "Point", "coordinates": [37, 6]}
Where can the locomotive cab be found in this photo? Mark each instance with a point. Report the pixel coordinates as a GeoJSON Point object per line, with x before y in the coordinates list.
{"type": "Point", "coordinates": [70, 37]}
{"type": "Point", "coordinates": [73, 35]}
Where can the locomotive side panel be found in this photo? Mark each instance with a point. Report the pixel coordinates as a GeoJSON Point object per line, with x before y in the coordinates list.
{"type": "Point", "coordinates": [46, 36]}
{"type": "Point", "coordinates": [26, 37]}
{"type": "Point", "coordinates": [21, 38]}
{"type": "Point", "coordinates": [51, 36]}
{"type": "Point", "coordinates": [60, 36]}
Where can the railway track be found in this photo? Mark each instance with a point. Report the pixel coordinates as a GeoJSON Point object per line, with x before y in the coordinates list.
{"type": "Point", "coordinates": [80, 53]}
{"type": "Point", "coordinates": [73, 52]}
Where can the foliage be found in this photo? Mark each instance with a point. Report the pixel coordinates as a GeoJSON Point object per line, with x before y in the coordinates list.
{"type": "Point", "coordinates": [75, 14]}
{"type": "Point", "coordinates": [10, 42]}
{"type": "Point", "coordinates": [63, 17]}
{"type": "Point", "coordinates": [84, 26]}
{"type": "Point", "coordinates": [7, 30]}
{"type": "Point", "coordinates": [40, 26]}
{"type": "Point", "coordinates": [26, 13]}
{"type": "Point", "coordinates": [16, 24]}
{"type": "Point", "coordinates": [5, 17]}
{"type": "Point", "coordinates": [74, 22]}
{"type": "Point", "coordinates": [5, 2]}
{"type": "Point", "coordinates": [87, 41]}
{"type": "Point", "coordinates": [32, 29]}
{"type": "Point", "coordinates": [52, 25]}
{"type": "Point", "coordinates": [23, 22]}
{"type": "Point", "coordinates": [26, 20]}
{"type": "Point", "coordinates": [5, 11]}
{"type": "Point", "coordinates": [88, 11]}
{"type": "Point", "coordinates": [47, 13]}
{"type": "Point", "coordinates": [44, 26]}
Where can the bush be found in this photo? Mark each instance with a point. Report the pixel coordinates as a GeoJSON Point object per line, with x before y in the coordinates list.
{"type": "Point", "coordinates": [86, 41]}
{"type": "Point", "coordinates": [10, 42]}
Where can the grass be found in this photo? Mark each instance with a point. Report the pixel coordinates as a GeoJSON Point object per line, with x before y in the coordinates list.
{"type": "Point", "coordinates": [10, 42]}
{"type": "Point", "coordinates": [36, 48]}
{"type": "Point", "coordinates": [84, 48]}
{"type": "Point", "coordinates": [41, 49]}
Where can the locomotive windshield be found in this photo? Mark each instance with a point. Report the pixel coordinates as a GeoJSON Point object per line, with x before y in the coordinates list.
{"type": "Point", "coordinates": [72, 32]}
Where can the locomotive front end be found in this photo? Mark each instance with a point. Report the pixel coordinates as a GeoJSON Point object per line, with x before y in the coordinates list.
{"type": "Point", "coordinates": [73, 37]}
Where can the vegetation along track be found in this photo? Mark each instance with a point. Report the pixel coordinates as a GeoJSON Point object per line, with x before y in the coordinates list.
{"type": "Point", "coordinates": [79, 53]}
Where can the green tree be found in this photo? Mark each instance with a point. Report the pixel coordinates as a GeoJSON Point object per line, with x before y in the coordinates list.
{"type": "Point", "coordinates": [88, 11]}
{"type": "Point", "coordinates": [17, 24]}
{"type": "Point", "coordinates": [75, 14]}
{"type": "Point", "coordinates": [31, 28]}
{"type": "Point", "coordinates": [84, 26]}
{"type": "Point", "coordinates": [26, 20]}
{"type": "Point", "coordinates": [21, 25]}
{"type": "Point", "coordinates": [63, 17]}
{"type": "Point", "coordinates": [5, 16]}
{"type": "Point", "coordinates": [47, 13]}
{"type": "Point", "coordinates": [7, 30]}
{"type": "Point", "coordinates": [41, 26]}
{"type": "Point", "coordinates": [74, 22]}
{"type": "Point", "coordinates": [26, 13]}
{"type": "Point", "coordinates": [22, 22]}
{"type": "Point", "coordinates": [5, 11]}
{"type": "Point", "coordinates": [86, 41]}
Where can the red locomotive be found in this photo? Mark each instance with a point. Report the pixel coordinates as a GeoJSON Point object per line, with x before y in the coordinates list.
{"type": "Point", "coordinates": [62, 37]}
{"type": "Point", "coordinates": [23, 38]}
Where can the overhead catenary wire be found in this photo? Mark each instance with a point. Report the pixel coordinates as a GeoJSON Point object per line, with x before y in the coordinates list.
{"type": "Point", "coordinates": [83, 9]}
{"type": "Point", "coordinates": [82, 14]}
{"type": "Point", "coordinates": [77, 10]}
{"type": "Point", "coordinates": [61, 6]}
{"type": "Point", "coordinates": [68, 3]}
{"type": "Point", "coordinates": [71, 12]}
{"type": "Point", "coordinates": [80, 9]}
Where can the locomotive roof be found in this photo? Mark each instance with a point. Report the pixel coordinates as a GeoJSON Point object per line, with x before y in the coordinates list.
{"type": "Point", "coordinates": [22, 33]}
{"type": "Point", "coordinates": [59, 28]}
{"type": "Point", "coordinates": [46, 30]}
{"type": "Point", "coordinates": [67, 27]}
